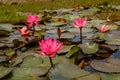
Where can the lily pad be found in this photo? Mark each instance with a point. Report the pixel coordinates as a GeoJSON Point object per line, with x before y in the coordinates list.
{"type": "Point", "coordinates": [4, 33]}
{"type": "Point", "coordinates": [4, 71]}
{"type": "Point", "coordinates": [65, 49]}
{"type": "Point", "coordinates": [110, 65]}
{"type": "Point", "coordinates": [112, 39]}
{"type": "Point", "coordinates": [93, 76]}
{"type": "Point", "coordinates": [9, 53]}
{"type": "Point", "coordinates": [112, 27]}
{"type": "Point", "coordinates": [76, 30]}
{"type": "Point", "coordinates": [56, 24]}
{"type": "Point", "coordinates": [89, 47]}
{"type": "Point", "coordinates": [2, 45]}
{"type": "Point", "coordinates": [66, 71]}
{"type": "Point", "coordinates": [32, 61]}
{"type": "Point", "coordinates": [30, 71]}
{"type": "Point", "coordinates": [72, 51]}
{"type": "Point", "coordinates": [107, 77]}
{"type": "Point", "coordinates": [2, 58]}
{"type": "Point", "coordinates": [27, 74]}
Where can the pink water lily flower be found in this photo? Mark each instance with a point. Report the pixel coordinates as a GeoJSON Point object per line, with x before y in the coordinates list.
{"type": "Point", "coordinates": [50, 47]}
{"type": "Point", "coordinates": [24, 31]}
{"type": "Point", "coordinates": [79, 22]}
{"type": "Point", "coordinates": [103, 29]}
{"type": "Point", "coordinates": [32, 20]}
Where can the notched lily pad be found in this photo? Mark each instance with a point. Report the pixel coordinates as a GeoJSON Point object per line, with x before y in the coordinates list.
{"type": "Point", "coordinates": [89, 47]}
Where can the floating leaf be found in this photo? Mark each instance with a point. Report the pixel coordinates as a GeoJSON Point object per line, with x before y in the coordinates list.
{"type": "Point", "coordinates": [27, 74]}
{"type": "Point", "coordinates": [2, 45]}
{"type": "Point", "coordinates": [32, 61]}
{"type": "Point", "coordinates": [72, 51]}
{"type": "Point", "coordinates": [89, 47]}
{"type": "Point", "coordinates": [107, 77]}
{"type": "Point", "coordinates": [65, 49]}
{"type": "Point", "coordinates": [93, 76]}
{"type": "Point", "coordinates": [16, 61]}
{"type": "Point", "coordinates": [110, 65]}
{"type": "Point", "coordinates": [4, 71]}
{"type": "Point", "coordinates": [9, 53]}
{"type": "Point", "coordinates": [30, 71]}
{"type": "Point", "coordinates": [108, 47]}
{"type": "Point", "coordinates": [112, 39]}
{"type": "Point", "coordinates": [66, 71]}
{"type": "Point", "coordinates": [4, 33]}
{"type": "Point", "coordinates": [39, 33]}
{"type": "Point", "coordinates": [2, 58]}
{"type": "Point", "coordinates": [56, 24]}
{"type": "Point", "coordinates": [112, 27]}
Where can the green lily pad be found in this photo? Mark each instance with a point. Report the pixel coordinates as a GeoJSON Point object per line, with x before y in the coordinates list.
{"type": "Point", "coordinates": [112, 27]}
{"type": "Point", "coordinates": [9, 53]}
{"type": "Point", "coordinates": [93, 76]}
{"type": "Point", "coordinates": [65, 35]}
{"type": "Point", "coordinates": [117, 76]}
{"type": "Point", "coordinates": [32, 61]}
{"type": "Point", "coordinates": [25, 77]}
{"type": "Point", "coordinates": [99, 36]}
{"type": "Point", "coordinates": [112, 39]}
{"type": "Point", "coordinates": [65, 49]}
{"type": "Point", "coordinates": [39, 33]}
{"type": "Point", "coordinates": [30, 71]}
{"type": "Point", "coordinates": [2, 58]}
{"type": "Point", "coordinates": [107, 77]}
{"type": "Point", "coordinates": [76, 30]}
{"type": "Point", "coordinates": [4, 71]}
{"type": "Point", "coordinates": [2, 45]}
{"type": "Point", "coordinates": [110, 65]}
{"type": "Point", "coordinates": [16, 61]}
{"type": "Point", "coordinates": [56, 24]}
{"type": "Point", "coordinates": [66, 71]}
{"type": "Point", "coordinates": [89, 47]}
{"type": "Point", "coordinates": [72, 51]}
